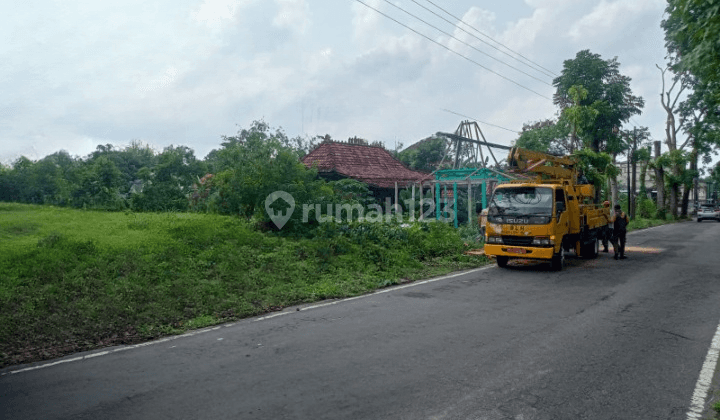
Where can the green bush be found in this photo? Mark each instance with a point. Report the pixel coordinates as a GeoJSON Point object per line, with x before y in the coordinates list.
{"type": "Point", "coordinates": [646, 208]}
{"type": "Point", "coordinates": [471, 234]}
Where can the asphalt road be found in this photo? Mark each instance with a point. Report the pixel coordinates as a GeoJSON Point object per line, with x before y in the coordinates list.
{"type": "Point", "coordinates": [603, 339]}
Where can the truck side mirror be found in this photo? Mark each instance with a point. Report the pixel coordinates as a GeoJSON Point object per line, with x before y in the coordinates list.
{"type": "Point", "coordinates": [560, 206]}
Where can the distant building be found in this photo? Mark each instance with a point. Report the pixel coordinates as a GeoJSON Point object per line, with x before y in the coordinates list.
{"type": "Point", "coordinates": [372, 165]}
{"type": "Point", "coordinates": [622, 180]}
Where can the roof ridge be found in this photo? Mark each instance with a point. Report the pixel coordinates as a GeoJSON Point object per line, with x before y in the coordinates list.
{"type": "Point", "coordinates": [365, 165]}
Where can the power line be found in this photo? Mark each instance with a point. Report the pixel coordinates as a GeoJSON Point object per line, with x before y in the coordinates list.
{"type": "Point", "coordinates": [635, 122]}
{"type": "Point", "coordinates": [488, 36]}
{"type": "Point", "coordinates": [475, 119]}
{"type": "Point", "coordinates": [485, 42]}
{"type": "Point", "coordinates": [459, 40]}
{"type": "Point", "coordinates": [452, 51]}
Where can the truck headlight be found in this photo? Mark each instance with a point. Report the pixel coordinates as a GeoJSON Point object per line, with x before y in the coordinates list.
{"type": "Point", "coordinates": [494, 240]}
{"type": "Point", "coordinates": [495, 219]}
{"type": "Point", "coordinates": [542, 241]}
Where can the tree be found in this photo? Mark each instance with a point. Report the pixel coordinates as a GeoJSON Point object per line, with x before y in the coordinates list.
{"type": "Point", "coordinates": [99, 185]}
{"type": "Point", "coordinates": [128, 160]}
{"type": "Point", "coordinates": [19, 180]}
{"type": "Point", "coordinates": [637, 152]}
{"type": "Point", "coordinates": [594, 101]}
{"type": "Point", "coordinates": [691, 133]}
{"type": "Point", "coordinates": [259, 140]}
{"type": "Point", "coordinates": [597, 167]}
{"type": "Point", "coordinates": [608, 93]}
{"type": "Point", "coordinates": [669, 101]}
{"type": "Point", "coordinates": [547, 136]}
{"type": "Point", "coordinates": [169, 183]}
{"type": "Point", "coordinates": [581, 118]}
{"type": "Point", "coordinates": [424, 155]}
{"type": "Point", "coordinates": [9, 190]}
{"type": "Point", "coordinates": [255, 163]}
{"type": "Point", "coordinates": [692, 29]}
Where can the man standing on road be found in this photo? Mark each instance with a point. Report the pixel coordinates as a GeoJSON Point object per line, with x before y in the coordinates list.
{"type": "Point", "coordinates": [620, 222]}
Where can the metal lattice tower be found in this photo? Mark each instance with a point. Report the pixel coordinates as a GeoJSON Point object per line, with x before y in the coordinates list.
{"type": "Point", "coordinates": [467, 145]}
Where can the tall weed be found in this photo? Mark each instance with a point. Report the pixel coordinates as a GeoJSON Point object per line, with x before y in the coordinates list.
{"type": "Point", "coordinates": [90, 279]}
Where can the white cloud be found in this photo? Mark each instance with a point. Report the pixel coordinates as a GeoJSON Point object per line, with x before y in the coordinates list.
{"type": "Point", "coordinates": [477, 22]}
{"type": "Point", "coordinates": [167, 78]}
{"type": "Point", "coordinates": [293, 14]}
{"type": "Point", "coordinates": [320, 61]}
{"type": "Point", "coordinates": [217, 13]}
{"type": "Point", "coordinates": [367, 23]}
{"type": "Point", "coordinates": [611, 16]}
{"type": "Point", "coordinates": [524, 33]}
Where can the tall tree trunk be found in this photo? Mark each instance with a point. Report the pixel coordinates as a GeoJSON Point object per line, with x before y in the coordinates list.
{"type": "Point", "coordinates": [671, 129]}
{"type": "Point", "coordinates": [688, 186]}
{"type": "Point", "coordinates": [643, 173]}
{"type": "Point", "coordinates": [613, 186]}
{"type": "Point", "coordinates": [659, 180]}
{"type": "Point", "coordinates": [674, 193]}
{"type": "Point", "coordinates": [632, 199]}
{"type": "Point", "coordinates": [685, 201]}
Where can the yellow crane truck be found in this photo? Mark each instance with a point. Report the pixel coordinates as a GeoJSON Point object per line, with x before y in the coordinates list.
{"type": "Point", "coordinates": [545, 215]}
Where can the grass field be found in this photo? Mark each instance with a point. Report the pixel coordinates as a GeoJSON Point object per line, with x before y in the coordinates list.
{"type": "Point", "coordinates": [639, 223]}
{"type": "Point", "coordinates": [73, 280]}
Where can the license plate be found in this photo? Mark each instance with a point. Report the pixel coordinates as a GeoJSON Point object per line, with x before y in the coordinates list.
{"type": "Point", "coordinates": [517, 250]}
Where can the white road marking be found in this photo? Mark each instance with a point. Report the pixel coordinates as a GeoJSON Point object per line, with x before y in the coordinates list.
{"type": "Point", "coordinates": [697, 403]}
{"type": "Point", "coordinates": [196, 332]}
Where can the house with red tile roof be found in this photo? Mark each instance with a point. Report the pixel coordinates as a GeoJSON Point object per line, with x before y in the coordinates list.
{"type": "Point", "coordinates": [372, 165]}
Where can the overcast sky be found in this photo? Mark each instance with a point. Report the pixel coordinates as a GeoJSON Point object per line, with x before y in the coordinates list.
{"type": "Point", "coordinates": [185, 72]}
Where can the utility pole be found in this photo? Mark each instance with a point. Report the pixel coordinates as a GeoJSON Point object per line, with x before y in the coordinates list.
{"type": "Point", "coordinates": [628, 184]}
{"type": "Point", "coordinates": [633, 206]}
{"type": "Point", "coordinates": [627, 169]}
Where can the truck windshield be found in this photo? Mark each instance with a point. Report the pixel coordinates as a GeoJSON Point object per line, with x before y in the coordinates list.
{"type": "Point", "coordinates": [521, 201]}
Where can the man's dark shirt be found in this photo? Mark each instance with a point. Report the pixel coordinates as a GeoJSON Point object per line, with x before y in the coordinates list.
{"type": "Point", "coordinates": [621, 223]}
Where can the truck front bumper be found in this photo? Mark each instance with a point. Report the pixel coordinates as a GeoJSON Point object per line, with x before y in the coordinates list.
{"type": "Point", "coordinates": [535, 253]}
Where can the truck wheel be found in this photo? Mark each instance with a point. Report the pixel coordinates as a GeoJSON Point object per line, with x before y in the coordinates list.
{"type": "Point", "coordinates": [699, 220]}
{"type": "Point", "coordinates": [502, 261]}
{"type": "Point", "coordinates": [558, 260]}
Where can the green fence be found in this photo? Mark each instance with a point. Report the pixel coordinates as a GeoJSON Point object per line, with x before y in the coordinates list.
{"type": "Point", "coordinates": [471, 185]}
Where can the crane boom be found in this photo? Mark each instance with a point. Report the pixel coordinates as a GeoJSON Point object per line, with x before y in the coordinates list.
{"type": "Point", "coordinates": [558, 167]}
